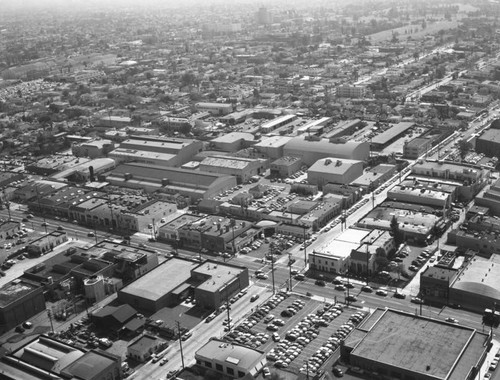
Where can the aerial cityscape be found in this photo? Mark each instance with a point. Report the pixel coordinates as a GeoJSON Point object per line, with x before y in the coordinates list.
{"type": "Point", "coordinates": [249, 189]}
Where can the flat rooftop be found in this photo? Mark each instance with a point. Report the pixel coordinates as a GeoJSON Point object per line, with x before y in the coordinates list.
{"type": "Point", "coordinates": [220, 275]}
{"type": "Point", "coordinates": [15, 290]}
{"type": "Point", "coordinates": [161, 280]}
{"type": "Point", "coordinates": [416, 344]}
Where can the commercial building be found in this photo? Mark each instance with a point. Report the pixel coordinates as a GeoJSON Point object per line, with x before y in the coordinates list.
{"type": "Point", "coordinates": [351, 91]}
{"type": "Point", "coordinates": [285, 166]}
{"type": "Point", "coordinates": [215, 283]}
{"type": "Point", "coordinates": [363, 258]}
{"type": "Point", "coordinates": [331, 170]}
{"type": "Point", "coordinates": [232, 142]}
{"type": "Point", "coordinates": [489, 142]}
{"type": "Point", "coordinates": [416, 226]}
{"type": "Point", "coordinates": [217, 109]}
{"type": "Point", "coordinates": [420, 195]}
{"type": "Point", "coordinates": [311, 150]}
{"type": "Point", "coordinates": [117, 122]}
{"type": "Point", "coordinates": [490, 198]}
{"type": "Point", "coordinates": [374, 177]}
{"type": "Point", "coordinates": [417, 147]}
{"type": "Point", "coordinates": [19, 300]}
{"type": "Point", "coordinates": [210, 283]}
{"type": "Point", "coordinates": [188, 183]}
{"type": "Point", "coordinates": [215, 234]}
{"type": "Point", "coordinates": [334, 257]}
{"type": "Point", "coordinates": [230, 359]}
{"type": "Point", "coordinates": [54, 164]}
{"type": "Point", "coordinates": [241, 168]}
{"type": "Point", "coordinates": [46, 243]}
{"type": "Point", "coordinates": [396, 344]}
{"type": "Point", "coordinates": [469, 179]}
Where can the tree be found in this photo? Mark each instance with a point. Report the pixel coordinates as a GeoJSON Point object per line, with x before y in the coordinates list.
{"type": "Point", "coordinates": [464, 147]}
{"type": "Point", "coordinates": [396, 232]}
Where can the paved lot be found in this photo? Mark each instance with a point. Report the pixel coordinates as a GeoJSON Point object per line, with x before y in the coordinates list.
{"type": "Point", "coordinates": [259, 331]}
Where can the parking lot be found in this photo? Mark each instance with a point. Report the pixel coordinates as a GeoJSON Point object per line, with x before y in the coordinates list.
{"type": "Point", "coordinates": [294, 330]}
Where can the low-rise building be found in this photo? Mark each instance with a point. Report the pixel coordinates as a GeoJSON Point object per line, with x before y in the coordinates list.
{"type": "Point", "coordinates": [310, 149]}
{"type": "Point", "coordinates": [20, 300]}
{"type": "Point", "coordinates": [142, 348]}
{"type": "Point", "coordinates": [230, 359]}
{"type": "Point", "coordinates": [419, 195]}
{"type": "Point", "coordinates": [92, 149]}
{"type": "Point", "coordinates": [331, 170]}
{"type": "Point", "coordinates": [374, 177]}
{"type": "Point", "coordinates": [177, 278]}
{"type": "Point", "coordinates": [218, 109]}
{"type": "Point", "coordinates": [232, 142]}
{"type": "Point", "coordinates": [46, 243]}
{"type": "Point", "coordinates": [384, 346]}
{"type": "Point", "coordinates": [241, 168]}
{"type": "Point", "coordinates": [272, 147]}
{"type": "Point", "coordinates": [188, 183]}
{"type": "Point", "coordinates": [285, 166]}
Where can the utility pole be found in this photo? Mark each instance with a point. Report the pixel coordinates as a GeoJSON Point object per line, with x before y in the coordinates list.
{"type": "Point", "coordinates": [290, 271]}
{"type": "Point", "coordinates": [271, 248]}
{"type": "Point", "coordinates": [180, 342]}
{"type": "Point", "coordinates": [228, 307]}
{"type": "Point", "coordinates": [305, 245]}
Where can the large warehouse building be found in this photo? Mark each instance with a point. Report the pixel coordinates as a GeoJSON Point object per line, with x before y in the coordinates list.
{"type": "Point", "coordinates": [188, 183]}
{"type": "Point", "coordinates": [331, 170]}
{"type": "Point", "coordinates": [399, 345]}
{"type": "Point", "coordinates": [171, 282]}
{"type": "Point", "coordinates": [312, 150]}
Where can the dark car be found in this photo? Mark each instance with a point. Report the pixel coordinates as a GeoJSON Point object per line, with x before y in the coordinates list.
{"type": "Point", "coordinates": [320, 283]}
{"type": "Point", "coordinates": [337, 372]}
{"type": "Point", "coordinates": [351, 298]}
{"type": "Point", "coordinates": [254, 298]}
{"type": "Point", "coordinates": [19, 329]}
{"type": "Point", "coordinates": [399, 295]}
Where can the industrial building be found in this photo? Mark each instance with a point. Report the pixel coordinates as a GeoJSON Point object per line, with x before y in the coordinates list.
{"type": "Point", "coordinates": [406, 346]}
{"type": "Point", "coordinates": [331, 170]}
{"type": "Point", "coordinates": [232, 142]}
{"type": "Point", "coordinates": [93, 148]}
{"type": "Point", "coordinates": [285, 166]}
{"type": "Point", "coordinates": [390, 135]}
{"type": "Point", "coordinates": [230, 359]}
{"type": "Point", "coordinates": [241, 168]}
{"type": "Point", "coordinates": [20, 300]}
{"type": "Point", "coordinates": [311, 150]}
{"type": "Point", "coordinates": [45, 357]}
{"type": "Point", "coordinates": [188, 183]}
{"type": "Point", "coordinates": [210, 282]}
{"type": "Point", "coordinates": [180, 150]}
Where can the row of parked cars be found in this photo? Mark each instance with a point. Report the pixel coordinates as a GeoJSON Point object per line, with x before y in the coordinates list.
{"type": "Point", "coordinates": [243, 333]}
{"type": "Point", "coordinates": [316, 361]}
